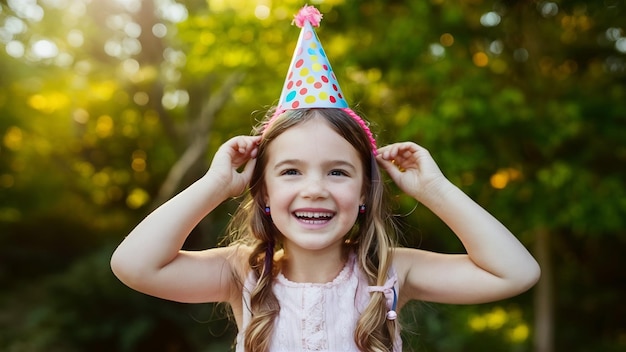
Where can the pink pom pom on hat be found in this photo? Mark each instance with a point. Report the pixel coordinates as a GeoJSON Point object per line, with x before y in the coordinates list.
{"type": "Point", "coordinates": [308, 14]}
{"type": "Point", "coordinates": [310, 82]}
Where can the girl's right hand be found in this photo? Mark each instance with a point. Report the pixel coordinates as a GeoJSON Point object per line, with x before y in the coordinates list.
{"type": "Point", "coordinates": [225, 167]}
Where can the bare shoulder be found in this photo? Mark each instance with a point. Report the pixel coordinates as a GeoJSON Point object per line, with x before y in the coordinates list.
{"type": "Point", "coordinates": [233, 259]}
{"type": "Point", "coordinates": [410, 260]}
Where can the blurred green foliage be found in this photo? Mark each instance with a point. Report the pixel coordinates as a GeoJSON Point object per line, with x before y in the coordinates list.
{"type": "Point", "coordinates": [109, 108]}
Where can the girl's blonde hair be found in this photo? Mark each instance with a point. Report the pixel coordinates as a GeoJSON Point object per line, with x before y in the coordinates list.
{"type": "Point", "coordinates": [369, 238]}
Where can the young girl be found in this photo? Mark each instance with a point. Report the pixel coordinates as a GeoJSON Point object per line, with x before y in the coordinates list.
{"type": "Point", "coordinates": [312, 264]}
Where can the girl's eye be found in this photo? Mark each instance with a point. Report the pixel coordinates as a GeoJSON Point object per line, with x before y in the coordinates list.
{"type": "Point", "coordinates": [338, 173]}
{"type": "Point", "coordinates": [289, 172]}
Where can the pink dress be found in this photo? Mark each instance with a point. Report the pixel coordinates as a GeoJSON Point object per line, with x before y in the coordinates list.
{"type": "Point", "coordinates": [317, 317]}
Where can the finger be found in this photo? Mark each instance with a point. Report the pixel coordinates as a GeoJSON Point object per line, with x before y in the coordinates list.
{"type": "Point", "coordinates": [249, 142]}
{"type": "Point", "coordinates": [387, 152]}
{"type": "Point", "coordinates": [247, 170]}
{"type": "Point", "coordinates": [253, 145]}
{"type": "Point", "coordinates": [403, 161]}
{"type": "Point", "coordinates": [408, 155]}
{"type": "Point", "coordinates": [245, 148]}
{"type": "Point", "coordinates": [389, 166]}
{"type": "Point", "coordinates": [242, 145]}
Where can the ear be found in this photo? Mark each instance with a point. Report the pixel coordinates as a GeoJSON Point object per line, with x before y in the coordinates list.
{"type": "Point", "coordinates": [362, 199]}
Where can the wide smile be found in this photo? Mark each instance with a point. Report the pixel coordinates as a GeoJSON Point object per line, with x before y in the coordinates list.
{"type": "Point", "coordinates": [314, 217]}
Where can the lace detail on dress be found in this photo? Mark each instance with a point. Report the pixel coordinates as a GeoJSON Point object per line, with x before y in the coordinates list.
{"type": "Point", "coordinates": [314, 334]}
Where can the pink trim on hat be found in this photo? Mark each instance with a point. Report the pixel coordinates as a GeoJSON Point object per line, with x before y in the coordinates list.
{"type": "Point", "coordinates": [365, 128]}
{"type": "Point", "coordinates": [348, 111]}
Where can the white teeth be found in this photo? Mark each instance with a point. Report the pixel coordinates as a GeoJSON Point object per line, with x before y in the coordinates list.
{"type": "Point", "coordinates": [313, 215]}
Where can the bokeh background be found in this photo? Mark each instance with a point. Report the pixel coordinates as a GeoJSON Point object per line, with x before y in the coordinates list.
{"type": "Point", "coordinates": [108, 108]}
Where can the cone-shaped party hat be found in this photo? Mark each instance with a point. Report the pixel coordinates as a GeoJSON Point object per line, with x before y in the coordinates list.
{"type": "Point", "coordinates": [310, 82]}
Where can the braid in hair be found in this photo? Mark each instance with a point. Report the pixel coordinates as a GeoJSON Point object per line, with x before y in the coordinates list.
{"type": "Point", "coordinates": [263, 304]}
{"type": "Point", "coordinates": [374, 332]}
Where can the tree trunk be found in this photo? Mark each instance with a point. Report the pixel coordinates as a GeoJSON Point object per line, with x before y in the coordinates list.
{"type": "Point", "coordinates": [198, 140]}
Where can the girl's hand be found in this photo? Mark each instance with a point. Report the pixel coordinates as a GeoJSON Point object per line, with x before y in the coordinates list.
{"type": "Point", "coordinates": [226, 164]}
{"type": "Point", "coordinates": [411, 167]}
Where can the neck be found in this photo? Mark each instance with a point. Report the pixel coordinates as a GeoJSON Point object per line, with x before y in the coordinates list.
{"type": "Point", "coordinates": [313, 266]}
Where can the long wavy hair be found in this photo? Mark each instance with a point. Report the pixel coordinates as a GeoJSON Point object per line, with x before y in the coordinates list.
{"type": "Point", "coordinates": [372, 237]}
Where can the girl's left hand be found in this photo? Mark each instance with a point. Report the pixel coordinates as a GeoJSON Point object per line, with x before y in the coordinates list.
{"type": "Point", "coordinates": [411, 167]}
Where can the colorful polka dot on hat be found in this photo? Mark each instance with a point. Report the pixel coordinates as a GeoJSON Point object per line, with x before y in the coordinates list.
{"type": "Point", "coordinates": [310, 82]}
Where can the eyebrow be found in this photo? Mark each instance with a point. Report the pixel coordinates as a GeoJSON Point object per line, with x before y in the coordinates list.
{"type": "Point", "coordinates": [330, 163]}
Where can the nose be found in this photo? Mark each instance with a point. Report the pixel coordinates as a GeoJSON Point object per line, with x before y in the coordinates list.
{"type": "Point", "coordinates": [314, 187]}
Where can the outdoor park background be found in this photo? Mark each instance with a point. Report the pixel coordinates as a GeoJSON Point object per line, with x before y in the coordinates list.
{"type": "Point", "coordinates": [108, 108]}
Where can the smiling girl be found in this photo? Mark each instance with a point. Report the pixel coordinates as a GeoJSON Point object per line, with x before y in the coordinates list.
{"type": "Point", "coordinates": [312, 264]}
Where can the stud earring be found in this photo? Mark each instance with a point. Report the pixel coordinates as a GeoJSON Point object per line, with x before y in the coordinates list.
{"type": "Point", "coordinates": [267, 210]}
{"type": "Point", "coordinates": [362, 208]}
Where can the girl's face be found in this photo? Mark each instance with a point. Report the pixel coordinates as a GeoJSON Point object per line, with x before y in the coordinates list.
{"type": "Point", "coordinates": [314, 185]}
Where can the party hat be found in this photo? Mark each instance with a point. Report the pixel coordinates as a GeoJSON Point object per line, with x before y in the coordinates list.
{"type": "Point", "coordinates": [310, 82]}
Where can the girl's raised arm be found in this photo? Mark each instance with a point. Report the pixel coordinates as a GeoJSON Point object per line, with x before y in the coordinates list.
{"type": "Point", "coordinates": [150, 259]}
{"type": "Point", "coordinates": [496, 265]}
